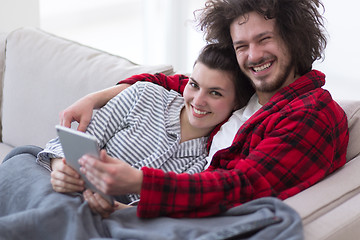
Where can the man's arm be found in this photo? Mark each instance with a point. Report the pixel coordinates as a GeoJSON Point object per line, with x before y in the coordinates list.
{"type": "Point", "coordinates": [293, 155]}
{"type": "Point", "coordinates": [175, 82]}
{"type": "Point", "coordinates": [280, 159]}
{"type": "Point", "coordinates": [81, 111]}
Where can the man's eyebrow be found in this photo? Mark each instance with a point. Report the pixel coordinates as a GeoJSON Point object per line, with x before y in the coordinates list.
{"type": "Point", "coordinates": [260, 35]}
{"type": "Point", "coordinates": [238, 43]}
{"type": "Point", "coordinates": [263, 34]}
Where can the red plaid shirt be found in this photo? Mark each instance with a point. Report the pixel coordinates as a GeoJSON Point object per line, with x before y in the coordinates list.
{"type": "Point", "coordinates": [295, 140]}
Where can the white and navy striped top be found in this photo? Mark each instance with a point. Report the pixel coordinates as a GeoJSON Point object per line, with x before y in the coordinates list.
{"type": "Point", "coordinates": [141, 126]}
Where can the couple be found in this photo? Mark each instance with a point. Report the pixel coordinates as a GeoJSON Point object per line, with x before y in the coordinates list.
{"type": "Point", "coordinates": [290, 135]}
{"type": "Point", "coordinates": [149, 126]}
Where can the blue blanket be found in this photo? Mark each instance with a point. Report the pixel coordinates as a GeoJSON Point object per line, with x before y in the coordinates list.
{"type": "Point", "coordinates": [30, 209]}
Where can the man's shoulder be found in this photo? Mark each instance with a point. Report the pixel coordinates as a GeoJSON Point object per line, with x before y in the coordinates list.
{"type": "Point", "coordinates": [316, 104]}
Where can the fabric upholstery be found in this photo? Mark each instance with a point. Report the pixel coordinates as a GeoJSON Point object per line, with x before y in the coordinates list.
{"type": "Point", "coordinates": [2, 67]}
{"type": "Point", "coordinates": [352, 109]}
{"type": "Point", "coordinates": [54, 73]}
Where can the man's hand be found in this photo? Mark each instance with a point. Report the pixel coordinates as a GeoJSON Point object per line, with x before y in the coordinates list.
{"type": "Point", "coordinates": [99, 205]}
{"type": "Point", "coordinates": [110, 175]}
{"type": "Point", "coordinates": [64, 178]}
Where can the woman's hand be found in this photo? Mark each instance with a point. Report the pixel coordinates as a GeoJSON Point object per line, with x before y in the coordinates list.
{"type": "Point", "coordinates": [99, 205]}
{"type": "Point", "coordinates": [110, 175]}
{"type": "Point", "coordinates": [81, 111]}
{"type": "Point", "coordinates": [64, 178]}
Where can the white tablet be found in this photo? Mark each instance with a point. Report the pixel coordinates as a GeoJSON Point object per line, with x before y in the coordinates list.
{"type": "Point", "coordinates": [75, 144]}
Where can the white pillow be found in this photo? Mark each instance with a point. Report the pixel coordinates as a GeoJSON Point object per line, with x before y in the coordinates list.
{"type": "Point", "coordinates": [44, 74]}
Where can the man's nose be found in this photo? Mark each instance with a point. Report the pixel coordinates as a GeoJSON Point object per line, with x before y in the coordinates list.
{"type": "Point", "coordinates": [255, 53]}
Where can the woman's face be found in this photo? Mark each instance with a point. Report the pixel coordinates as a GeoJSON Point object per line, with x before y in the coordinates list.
{"type": "Point", "coordinates": [209, 97]}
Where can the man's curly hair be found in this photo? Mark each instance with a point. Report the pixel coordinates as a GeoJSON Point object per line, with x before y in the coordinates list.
{"type": "Point", "coordinates": [299, 23]}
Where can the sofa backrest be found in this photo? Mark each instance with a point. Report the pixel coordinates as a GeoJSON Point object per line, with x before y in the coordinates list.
{"type": "Point", "coordinates": [44, 74]}
{"type": "Point", "coordinates": [2, 67]}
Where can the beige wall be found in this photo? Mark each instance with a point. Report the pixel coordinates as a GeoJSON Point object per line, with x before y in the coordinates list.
{"type": "Point", "coordinates": [18, 13]}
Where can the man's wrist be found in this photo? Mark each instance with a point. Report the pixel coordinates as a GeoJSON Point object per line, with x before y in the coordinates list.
{"type": "Point", "coordinates": [139, 180]}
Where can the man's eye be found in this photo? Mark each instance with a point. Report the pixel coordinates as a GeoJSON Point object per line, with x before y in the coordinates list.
{"type": "Point", "coordinates": [240, 48]}
{"type": "Point", "coordinates": [264, 39]}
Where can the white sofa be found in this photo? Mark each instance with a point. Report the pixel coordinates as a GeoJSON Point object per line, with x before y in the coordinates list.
{"type": "Point", "coordinates": [41, 74]}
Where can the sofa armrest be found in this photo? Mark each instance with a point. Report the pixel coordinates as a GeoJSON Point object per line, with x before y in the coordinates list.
{"type": "Point", "coordinates": [352, 110]}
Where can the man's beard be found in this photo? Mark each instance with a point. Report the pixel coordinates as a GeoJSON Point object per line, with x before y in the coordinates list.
{"type": "Point", "coordinates": [274, 86]}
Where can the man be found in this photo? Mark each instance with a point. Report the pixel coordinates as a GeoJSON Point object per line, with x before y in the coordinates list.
{"type": "Point", "coordinates": [289, 136]}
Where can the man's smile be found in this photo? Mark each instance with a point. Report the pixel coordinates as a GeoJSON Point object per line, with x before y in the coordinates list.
{"type": "Point", "coordinates": [262, 67]}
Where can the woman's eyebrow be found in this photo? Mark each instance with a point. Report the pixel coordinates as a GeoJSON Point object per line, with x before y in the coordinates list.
{"type": "Point", "coordinates": [192, 79]}
{"type": "Point", "coordinates": [210, 88]}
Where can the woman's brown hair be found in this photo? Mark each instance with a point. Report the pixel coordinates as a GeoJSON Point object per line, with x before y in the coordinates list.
{"type": "Point", "coordinates": [216, 56]}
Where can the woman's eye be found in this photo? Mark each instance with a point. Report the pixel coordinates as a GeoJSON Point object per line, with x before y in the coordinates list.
{"type": "Point", "coordinates": [194, 85]}
{"type": "Point", "coordinates": [215, 93]}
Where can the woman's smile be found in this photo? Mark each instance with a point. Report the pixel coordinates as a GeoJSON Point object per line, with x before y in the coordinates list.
{"type": "Point", "coordinates": [198, 112]}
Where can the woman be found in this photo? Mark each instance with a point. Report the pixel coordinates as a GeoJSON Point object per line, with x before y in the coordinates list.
{"type": "Point", "coordinates": [147, 125]}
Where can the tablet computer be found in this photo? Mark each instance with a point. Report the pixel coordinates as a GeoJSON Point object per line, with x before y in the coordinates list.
{"type": "Point", "coordinates": [75, 144]}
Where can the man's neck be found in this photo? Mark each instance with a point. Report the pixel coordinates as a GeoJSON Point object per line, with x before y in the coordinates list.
{"type": "Point", "coordinates": [264, 97]}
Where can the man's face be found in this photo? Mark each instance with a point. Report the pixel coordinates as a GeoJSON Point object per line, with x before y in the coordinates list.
{"type": "Point", "coordinates": [262, 54]}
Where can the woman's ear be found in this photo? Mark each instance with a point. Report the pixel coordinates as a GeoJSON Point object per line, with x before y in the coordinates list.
{"type": "Point", "coordinates": [236, 106]}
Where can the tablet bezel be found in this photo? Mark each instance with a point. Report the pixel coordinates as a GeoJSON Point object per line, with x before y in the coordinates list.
{"type": "Point", "coordinates": [75, 144]}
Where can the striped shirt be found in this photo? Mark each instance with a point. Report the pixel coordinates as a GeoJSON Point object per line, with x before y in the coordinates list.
{"type": "Point", "coordinates": [141, 126]}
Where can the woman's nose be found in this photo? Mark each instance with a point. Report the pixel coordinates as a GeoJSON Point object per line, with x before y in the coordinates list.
{"type": "Point", "coordinates": [199, 99]}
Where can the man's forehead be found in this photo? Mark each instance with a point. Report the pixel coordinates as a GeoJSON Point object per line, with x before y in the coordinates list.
{"type": "Point", "coordinates": [243, 19]}
{"type": "Point", "coordinates": [252, 23]}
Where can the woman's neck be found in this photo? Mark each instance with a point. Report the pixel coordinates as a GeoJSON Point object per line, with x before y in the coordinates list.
{"type": "Point", "coordinates": [189, 132]}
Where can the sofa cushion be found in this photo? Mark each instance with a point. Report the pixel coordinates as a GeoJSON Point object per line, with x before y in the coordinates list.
{"type": "Point", "coordinates": [352, 110]}
{"type": "Point", "coordinates": [44, 74]}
